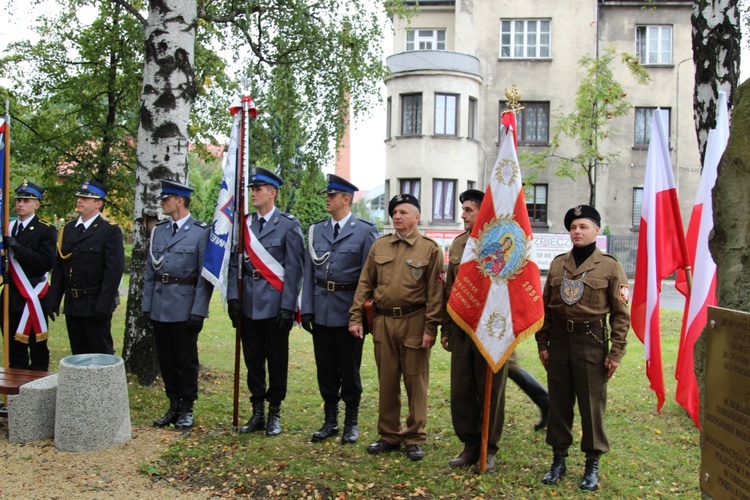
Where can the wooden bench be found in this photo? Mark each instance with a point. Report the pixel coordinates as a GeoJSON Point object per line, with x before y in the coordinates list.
{"type": "Point", "coordinates": [11, 379]}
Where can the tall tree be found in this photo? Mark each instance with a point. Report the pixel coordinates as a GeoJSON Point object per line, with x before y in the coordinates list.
{"type": "Point", "coordinates": [716, 53]}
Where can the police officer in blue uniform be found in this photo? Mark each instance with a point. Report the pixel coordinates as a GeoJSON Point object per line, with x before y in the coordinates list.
{"type": "Point", "coordinates": [337, 250]}
{"type": "Point", "coordinates": [32, 243]}
{"type": "Point", "coordinates": [88, 269]}
{"type": "Point", "coordinates": [272, 265]}
{"type": "Point", "coordinates": [176, 299]}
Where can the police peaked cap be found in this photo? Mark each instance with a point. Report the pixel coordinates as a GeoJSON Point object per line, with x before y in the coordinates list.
{"type": "Point", "coordinates": [92, 189]}
{"type": "Point", "coordinates": [582, 212]}
{"type": "Point", "coordinates": [337, 184]}
{"type": "Point", "coordinates": [474, 195]}
{"type": "Point", "coordinates": [402, 198]}
{"type": "Point", "coordinates": [29, 191]}
{"type": "Point", "coordinates": [172, 188]}
{"type": "Point", "coordinates": [262, 177]}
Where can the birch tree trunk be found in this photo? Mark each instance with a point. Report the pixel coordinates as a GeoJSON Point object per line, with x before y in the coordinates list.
{"type": "Point", "coordinates": [716, 53]}
{"type": "Point", "coordinates": [167, 95]}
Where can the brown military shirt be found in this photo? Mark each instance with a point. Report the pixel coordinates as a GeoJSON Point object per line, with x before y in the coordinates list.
{"type": "Point", "coordinates": [454, 260]}
{"type": "Point", "coordinates": [402, 272]}
{"type": "Point", "coordinates": [605, 291]}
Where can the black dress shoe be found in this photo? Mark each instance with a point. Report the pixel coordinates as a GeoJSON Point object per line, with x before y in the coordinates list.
{"type": "Point", "coordinates": [590, 480]}
{"type": "Point", "coordinates": [170, 417]}
{"type": "Point", "coordinates": [273, 425]}
{"type": "Point", "coordinates": [414, 452]}
{"type": "Point", "coordinates": [489, 466]}
{"type": "Point", "coordinates": [185, 420]}
{"type": "Point", "coordinates": [556, 470]}
{"type": "Point", "coordinates": [465, 459]}
{"type": "Point", "coordinates": [381, 446]}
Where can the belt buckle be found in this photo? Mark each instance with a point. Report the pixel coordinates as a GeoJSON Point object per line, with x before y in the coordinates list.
{"type": "Point", "coordinates": [569, 326]}
{"type": "Point", "coordinates": [74, 293]}
{"type": "Point", "coordinates": [397, 312]}
{"type": "Point", "coordinates": [165, 278]}
{"type": "Point", "coordinates": [331, 286]}
{"type": "Point", "coordinates": [256, 274]}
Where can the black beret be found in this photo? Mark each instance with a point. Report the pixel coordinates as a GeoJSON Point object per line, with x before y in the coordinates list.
{"type": "Point", "coordinates": [402, 198]}
{"type": "Point", "coordinates": [471, 195]}
{"type": "Point", "coordinates": [582, 212]}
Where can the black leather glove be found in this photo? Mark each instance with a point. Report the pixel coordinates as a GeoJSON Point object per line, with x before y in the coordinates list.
{"type": "Point", "coordinates": [194, 324]}
{"type": "Point", "coordinates": [51, 312]}
{"type": "Point", "coordinates": [307, 322]}
{"type": "Point", "coordinates": [11, 242]}
{"type": "Point", "coordinates": [285, 320]}
{"type": "Point", "coordinates": [233, 308]}
{"type": "Point", "coordinates": [101, 317]}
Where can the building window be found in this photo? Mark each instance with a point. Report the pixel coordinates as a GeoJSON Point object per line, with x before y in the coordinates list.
{"type": "Point", "coordinates": [443, 199]}
{"type": "Point", "coordinates": [637, 205]}
{"type": "Point", "coordinates": [425, 39]}
{"type": "Point", "coordinates": [536, 203]}
{"type": "Point", "coordinates": [643, 118]}
{"type": "Point", "coordinates": [525, 38]}
{"type": "Point", "coordinates": [412, 187]}
{"type": "Point", "coordinates": [388, 118]}
{"type": "Point", "coordinates": [471, 132]}
{"type": "Point", "coordinates": [377, 204]}
{"type": "Point", "coordinates": [653, 44]}
{"type": "Point", "coordinates": [446, 114]}
{"type": "Point", "coordinates": [532, 122]}
{"type": "Point", "coordinates": [411, 114]}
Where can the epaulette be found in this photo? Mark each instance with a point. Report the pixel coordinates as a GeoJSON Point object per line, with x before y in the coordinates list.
{"type": "Point", "coordinates": [319, 221]}
{"type": "Point", "coordinates": [46, 223]}
{"type": "Point", "coordinates": [435, 242]}
{"type": "Point", "coordinates": [288, 216]}
{"type": "Point", "coordinates": [560, 255]}
{"type": "Point", "coordinates": [610, 256]}
{"type": "Point", "coordinates": [165, 221]}
{"type": "Point", "coordinates": [368, 222]}
{"type": "Point", "coordinates": [200, 223]}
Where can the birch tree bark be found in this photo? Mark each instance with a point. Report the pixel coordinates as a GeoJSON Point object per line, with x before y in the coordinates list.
{"type": "Point", "coordinates": [167, 95]}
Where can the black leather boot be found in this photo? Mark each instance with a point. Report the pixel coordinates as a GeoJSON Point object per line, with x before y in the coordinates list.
{"type": "Point", "coordinates": [171, 416]}
{"type": "Point", "coordinates": [273, 426]}
{"type": "Point", "coordinates": [533, 390]}
{"type": "Point", "coordinates": [257, 420]}
{"type": "Point", "coordinates": [590, 480]}
{"type": "Point", "coordinates": [556, 470]}
{"type": "Point", "coordinates": [185, 420]}
{"type": "Point", "coordinates": [351, 430]}
{"type": "Point", "coordinates": [330, 425]}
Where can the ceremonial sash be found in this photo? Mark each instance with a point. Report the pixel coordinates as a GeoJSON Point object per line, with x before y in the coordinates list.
{"type": "Point", "coordinates": [262, 261]}
{"type": "Point", "coordinates": [33, 315]}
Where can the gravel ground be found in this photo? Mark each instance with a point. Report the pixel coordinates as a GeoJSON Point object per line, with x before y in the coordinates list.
{"type": "Point", "coordinates": [39, 470]}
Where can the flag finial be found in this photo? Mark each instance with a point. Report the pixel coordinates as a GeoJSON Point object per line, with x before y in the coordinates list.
{"type": "Point", "coordinates": [513, 93]}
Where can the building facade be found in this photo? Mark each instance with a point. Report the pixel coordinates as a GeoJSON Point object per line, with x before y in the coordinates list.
{"type": "Point", "coordinates": [449, 69]}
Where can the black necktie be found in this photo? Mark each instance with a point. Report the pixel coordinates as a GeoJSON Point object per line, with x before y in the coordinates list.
{"type": "Point", "coordinates": [335, 230]}
{"type": "Point", "coordinates": [17, 230]}
{"type": "Point", "coordinates": [80, 228]}
{"type": "Point", "coordinates": [261, 222]}
{"type": "Point", "coordinates": [175, 227]}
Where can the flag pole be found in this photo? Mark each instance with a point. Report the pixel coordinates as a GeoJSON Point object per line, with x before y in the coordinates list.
{"type": "Point", "coordinates": [239, 213]}
{"type": "Point", "coordinates": [689, 279]}
{"type": "Point", "coordinates": [486, 410]}
{"type": "Point", "coordinates": [5, 224]}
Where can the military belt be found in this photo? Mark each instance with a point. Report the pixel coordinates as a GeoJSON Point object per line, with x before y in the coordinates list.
{"type": "Point", "coordinates": [254, 274]}
{"type": "Point", "coordinates": [397, 312]}
{"type": "Point", "coordinates": [82, 292]}
{"type": "Point", "coordinates": [572, 326]}
{"type": "Point", "coordinates": [170, 278]}
{"type": "Point", "coordinates": [332, 286]}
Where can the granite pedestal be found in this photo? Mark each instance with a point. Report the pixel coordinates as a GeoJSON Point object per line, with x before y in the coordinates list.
{"type": "Point", "coordinates": [31, 412]}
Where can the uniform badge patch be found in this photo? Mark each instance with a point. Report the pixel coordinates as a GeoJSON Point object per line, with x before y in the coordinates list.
{"type": "Point", "coordinates": [416, 272]}
{"type": "Point", "coordinates": [625, 294]}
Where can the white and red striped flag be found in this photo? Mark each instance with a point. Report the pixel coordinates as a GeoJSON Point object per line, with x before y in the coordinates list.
{"type": "Point", "coordinates": [497, 297]}
{"type": "Point", "coordinates": [703, 292]}
{"type": "Point", "coordinates": [661, 250]}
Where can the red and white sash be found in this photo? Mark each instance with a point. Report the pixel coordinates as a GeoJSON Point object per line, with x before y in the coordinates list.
{"type": "Point", "coordinates": [262, 261]}
{"type": "Point", "coordinates": [33, 315]}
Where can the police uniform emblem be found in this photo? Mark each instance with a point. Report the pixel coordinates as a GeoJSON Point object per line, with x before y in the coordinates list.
{"type": "Point", "coordinates": [571, 291]}
{"type": "Point", "coordinates": [502, 250]}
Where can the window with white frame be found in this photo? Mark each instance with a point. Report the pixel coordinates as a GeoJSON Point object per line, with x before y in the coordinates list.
{"type": "Point", "coordinates": [425, 39]}
{"type": "Point", "coordinates": [532, 122]}
{"type": "Point", "coordinates": [525, 38]}
{"type": "Point", "coordinates": [411, 186]}
{"type": "Point", "coordinates": [411, 114]}
{"type": "Point", "coordinates": [536, 203]}
{"type": "Point", "coordinates": [443, 199]}
{"type": "Point", "coordinates": [653, 44]}
{"type": "Point", "coordinates": [643, 118]}
{"type": "Point", "coordinates": [471, 131]}
{"type": "Point", "coordinates": [378, 203]}
{"type": "Point", "coordinates": [637, 205]}
{"type": "Point", "coordinates": [446, 114]}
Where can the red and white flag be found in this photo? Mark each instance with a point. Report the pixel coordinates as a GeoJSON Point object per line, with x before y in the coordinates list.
{"type": "Point", "coordinates": [703, 292]}
{"type": "Point", "coordinates": [661, 250]}
{"type": "Point", "coordinates": [497, 296]}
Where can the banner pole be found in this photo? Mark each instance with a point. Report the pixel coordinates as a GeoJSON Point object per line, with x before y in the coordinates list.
{"type": "Point", "coordinates": [4, 231]}
{"type": "Point", "coordinates": [486, 419]}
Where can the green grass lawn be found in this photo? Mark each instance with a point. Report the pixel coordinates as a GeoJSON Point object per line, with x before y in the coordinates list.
{"type": "Point", "coordinates": [652, 454]}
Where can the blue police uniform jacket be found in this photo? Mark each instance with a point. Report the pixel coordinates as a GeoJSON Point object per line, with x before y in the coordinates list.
{"type": "Point", "coordinates": [346, 257]}
{"type": "Point", "coordinates": [282, 239]}
{"type": "Point", "coordinates": [178, 256]}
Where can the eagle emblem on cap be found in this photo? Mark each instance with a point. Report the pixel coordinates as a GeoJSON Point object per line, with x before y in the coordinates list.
{"type": "Point", "coordinates": [577, 210]}
{"type": "Point", "coordinates": [85, 185]}
{"type": "Point", "coordinates": [398, 197]}
{"type": "Point", "coordinates": [25, 183]}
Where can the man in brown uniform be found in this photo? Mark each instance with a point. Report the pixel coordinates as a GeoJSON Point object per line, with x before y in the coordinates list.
{"type": "Point", "coordinates": [468, 366]}
{"type": "Point", "coordinates": [583, 286]}
{"type": "Point", "coordinates": [403, 274]}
